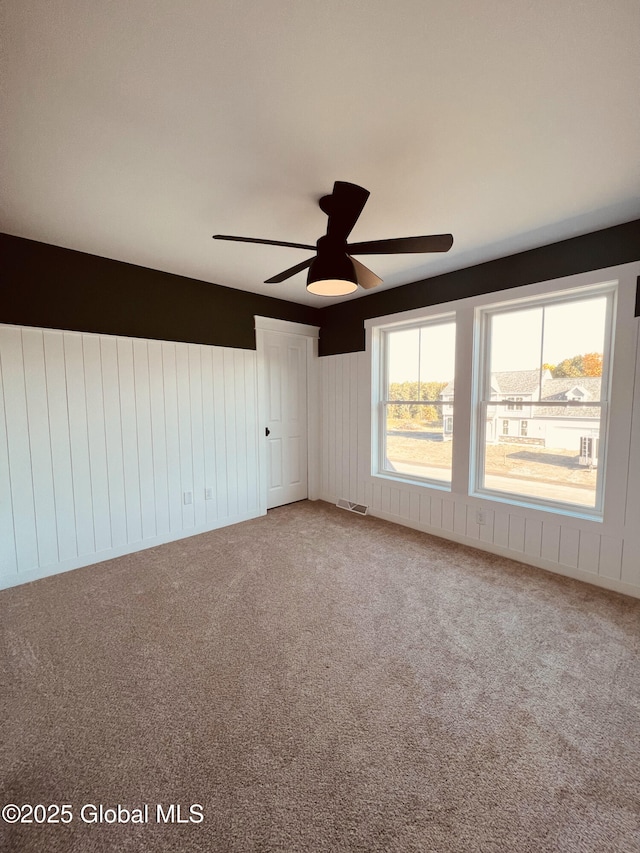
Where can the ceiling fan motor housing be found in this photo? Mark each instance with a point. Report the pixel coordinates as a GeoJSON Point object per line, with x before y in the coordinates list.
{"type": "Point", "coordinates": [332, 262]}
{"type": "Point", "coordinates": [332, 271]}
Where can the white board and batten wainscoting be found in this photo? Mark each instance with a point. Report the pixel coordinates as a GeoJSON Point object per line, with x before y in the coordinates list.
{"type": "Point", "coordinates": [110, 445]}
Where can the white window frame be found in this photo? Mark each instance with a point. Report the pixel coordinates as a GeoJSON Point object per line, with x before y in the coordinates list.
{"type": "Point", "coordinates": [623, 484]}
{"type": "Point", "coordinates": [378, 441]}
{"type": "Point", "coordinates": [482, 361]}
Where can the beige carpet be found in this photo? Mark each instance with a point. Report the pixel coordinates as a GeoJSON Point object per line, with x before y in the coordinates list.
{"type": "Point", "coordinates": [322, 682]}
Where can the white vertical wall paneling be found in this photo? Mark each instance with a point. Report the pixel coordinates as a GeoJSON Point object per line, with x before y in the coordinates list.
{"type": "Point", "coordinates": [516, 532]}
{"type": "Point", "coordinates": [97, 442]}
{"type": "Point", "coordinates": [473, 528]}
{"type": "Point", "coordinates": [353, 427]}
{"type": "Point", "coordinates": [129, 440]}
{"type": "Point", "coordinates": [8, 561]}
{"type": "Point", "coordinates": [344, 429]}
{"type": "Point", "coordinates": [569, 546]}
{"type": "Point", "coordinates": [172, 433]}
{"type": "Point", "coordinates": [17, 426]}
{"type": "Point", "coordinates": [208, 433]}
{"type": "Point", "coordinates": [394, 501]}
{"type": "Point", "coordinates": [230, 427]}
{"type": "Point", "coordinates": [501, 529]}
{"type": "Point", "coordinates": [197, 436]}
{"type": "Point", "coordinates": [532, 537]}
{"type": "Point", "coordinates": [589, 551]}
{"type": "Point", "coordinates": [78, 432]}
{"type": "Point", "coordinates": [241, 435]}
{"type": "Point", "coordinates": [610, 564]}
{"type": "Point", "coordinates": [220, 437]}
{"type": "Point", "coordinates": [405, 504]}
{"type": "Point", "coordinates": [343, 433]}
{"type": "Point", "coordinates": [486, 529]}
{"type": "Point", "coordinates": [630, 571]}
{"type": "Point", "coordinates": [323, 366]}
{"type": "Point", "coordinates": [550, 546]}
{"type": "Point", "coordinates": [346, 448]}
{"type": "Point", "coordinates": [251, 430]}
{"type": "Point", "coordinates": [60, 443]}
{"type": "Point", "coordinates": [184, 432]}
{"type": "Point", "coordinates": [364, 433]}
{"type": "Point", "coordinates": [414, 511]}
{"type": "Point", "coordinates": [448, 511]}
{"type": "Point", "coordinates": [112, 437]}
{"type": "Point", "coordinates": [435, 515]}
{"type": "Point", "coordinates": [460, 519]}
{"type": "Point", "coordinates": [100, 436]}
{"type": "Point", "coordinates": [335, 446]}
{"type": "Point", "coordinates": [158, 438]}
{"type": "Point", "coordinates": [145, 447]}
{"type": "Point", "coordinates": [40, 446]}
{"type": "Point", "coordinates": [425, 509]}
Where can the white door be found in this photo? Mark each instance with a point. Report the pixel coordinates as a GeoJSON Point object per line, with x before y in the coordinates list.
{"type": "Point", "coordinates": [285, 396]}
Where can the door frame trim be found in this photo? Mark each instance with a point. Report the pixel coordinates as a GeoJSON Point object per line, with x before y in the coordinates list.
{"type": "Point", "coordinates": [312, 334]}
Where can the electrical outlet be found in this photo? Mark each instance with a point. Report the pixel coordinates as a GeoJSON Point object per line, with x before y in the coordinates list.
{"type": "Point", "coordinates": [208, 494]}
{"type": "Point", "coordinates": [480, 517]}
{"type": "Point", "coordinates": [188, 497]}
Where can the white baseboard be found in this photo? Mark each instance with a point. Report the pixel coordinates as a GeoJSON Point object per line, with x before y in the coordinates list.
{"type": "Point", "coordinates": [518, 556]}
{"type": "Point", "coordinates": [15, 579]}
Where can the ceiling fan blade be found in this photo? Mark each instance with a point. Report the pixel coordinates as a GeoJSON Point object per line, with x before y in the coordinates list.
{"type": "Point", "coordinates": [366, 278]}
{"type": "Point", "coordinates": [344, 206]}
{"type": "Point", "coordinates": [283, 276]}
{"type": "Point", "coordinates": [401, 245]}
{"type": "Point", "coordinates": [266, 242]}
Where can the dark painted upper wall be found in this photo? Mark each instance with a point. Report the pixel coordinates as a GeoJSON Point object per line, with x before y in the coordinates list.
{"type": "Point", "coordinates": [58, 288]}
{"type": "Point", "coordinates": [343, 325]}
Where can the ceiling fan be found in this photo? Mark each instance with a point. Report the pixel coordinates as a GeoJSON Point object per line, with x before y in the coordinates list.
{"type": "Point", "coordinates": [333, 271]}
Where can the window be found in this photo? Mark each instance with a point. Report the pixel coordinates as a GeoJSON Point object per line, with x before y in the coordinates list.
{"type": "Point", "coordinates": [556, 349]}
{"type": "Point", "coordinates": [532, 406]}
{"type": "Point", "coordinates": [416, 402]}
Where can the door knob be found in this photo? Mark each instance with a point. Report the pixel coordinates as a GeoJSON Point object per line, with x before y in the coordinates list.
{"type": "Point", "coordinates": [267, 431]}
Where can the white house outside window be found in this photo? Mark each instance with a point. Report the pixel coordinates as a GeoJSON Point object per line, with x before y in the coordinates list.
{"type": "Point", "coordinates": [416, 406]}
{"type": "Point", "coordinates": [555, 350]}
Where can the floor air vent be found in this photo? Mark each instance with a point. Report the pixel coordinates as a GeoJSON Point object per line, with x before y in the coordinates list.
{"type": "Point", "coordinates": [361, 509]}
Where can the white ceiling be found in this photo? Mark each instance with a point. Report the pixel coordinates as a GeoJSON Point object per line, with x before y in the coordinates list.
{"type": "Point", "coordinates": [136, 129]}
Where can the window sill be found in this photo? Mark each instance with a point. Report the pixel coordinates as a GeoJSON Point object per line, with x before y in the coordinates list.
{"type": "Point", "coordinates": [412, 481]}
{"type": "Point", "coordinates": [567, 510]}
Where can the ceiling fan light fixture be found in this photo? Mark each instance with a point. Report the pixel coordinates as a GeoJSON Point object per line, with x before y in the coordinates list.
{"type": "Point", "coordinates": [332, 275]}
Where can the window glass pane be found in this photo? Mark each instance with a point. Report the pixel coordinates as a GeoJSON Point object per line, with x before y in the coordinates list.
{"type": "Point", "coordinates": [403, 363]}
{"type": "Point", "coordinates": [417, 444]}
{"type": "Point", "coordinates": [542, 440]}
{"type": "Point", "coordinates": [548, 459]}
{"type": "Point", "coordinates": [516, 341]}
{"type": "Point", "coordinates": [574, 335]}
{"type": "Point", "coordinates": [418, 434]}
{"type": "Point", "coordinates": [437, 359]}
